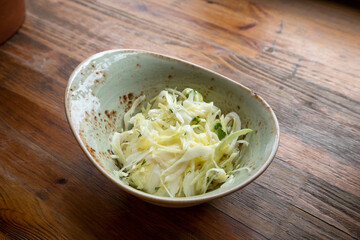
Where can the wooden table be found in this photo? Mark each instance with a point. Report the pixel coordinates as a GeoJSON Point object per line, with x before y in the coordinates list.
{"type": "Point", "coordinates": [302, 57]}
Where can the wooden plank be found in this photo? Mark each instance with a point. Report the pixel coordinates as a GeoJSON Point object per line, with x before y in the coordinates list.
{"type": "Point", "coordinates": [301, 56]}
{"type": "Point", "coordinates": [301, 224]}
{"type": "Point", "coordinates": [333, 205]}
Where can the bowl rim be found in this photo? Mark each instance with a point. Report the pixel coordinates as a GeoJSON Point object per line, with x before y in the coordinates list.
{"type": "Point", "coordinates": [169, 200]}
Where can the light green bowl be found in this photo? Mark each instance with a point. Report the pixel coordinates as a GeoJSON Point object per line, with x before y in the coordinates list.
{"type": "Point", "coordinates": [102, 88]}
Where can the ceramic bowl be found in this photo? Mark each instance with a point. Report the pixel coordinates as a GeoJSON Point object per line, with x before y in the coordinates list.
{"type": "Point", "coordinates": [103, 87]}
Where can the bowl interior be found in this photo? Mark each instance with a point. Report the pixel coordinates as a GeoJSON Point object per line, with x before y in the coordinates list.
{"type": "Point", "coordinates": [103, 87]}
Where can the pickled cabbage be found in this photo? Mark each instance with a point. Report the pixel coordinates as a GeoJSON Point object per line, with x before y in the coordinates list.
{"type": "Point", "coordinates": [178, 145]}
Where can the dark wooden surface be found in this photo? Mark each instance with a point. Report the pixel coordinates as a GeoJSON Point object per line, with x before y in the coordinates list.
{"type": "Point", "coordinates": [302, 57]}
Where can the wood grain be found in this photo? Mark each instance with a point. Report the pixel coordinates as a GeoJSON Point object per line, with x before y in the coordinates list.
{"type": "Point", "coordinates": [302, 57]}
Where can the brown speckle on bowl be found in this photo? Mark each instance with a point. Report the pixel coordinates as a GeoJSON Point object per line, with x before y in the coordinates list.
{"type": "Point", "coordinates": [110, 115]}
{"type": "Point", "coordinates": [91, 151]}
{"type": "Point", "coordinates": [130, 96]}
{"type": "Point", "coordinates": [256, 96]}
{"type": "Point", "coordinates": [170, 76]}
{"type": "Point", "coordinates": [92, 65]}
{"type": "Point", "coordinates": [138, 65]}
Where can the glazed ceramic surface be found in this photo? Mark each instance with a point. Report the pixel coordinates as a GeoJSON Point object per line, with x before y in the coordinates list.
{"type": "Point", "coordinates": [103, 87]}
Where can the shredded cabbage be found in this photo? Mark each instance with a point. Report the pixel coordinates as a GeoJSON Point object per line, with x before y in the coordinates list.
{"type": "Point", "coordinates": [178, 145]}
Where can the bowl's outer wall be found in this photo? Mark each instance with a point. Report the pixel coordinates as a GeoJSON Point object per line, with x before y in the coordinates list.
{"type": "Point", "coordinates": [103, 88]}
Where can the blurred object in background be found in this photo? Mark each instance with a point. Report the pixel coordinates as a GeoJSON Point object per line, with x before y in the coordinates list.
{"type": "Point", "coordinates": [12, 14]}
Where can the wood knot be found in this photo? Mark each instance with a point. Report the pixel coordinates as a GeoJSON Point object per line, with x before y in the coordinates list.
{"type": "Point", "coordinates": [61, 181]}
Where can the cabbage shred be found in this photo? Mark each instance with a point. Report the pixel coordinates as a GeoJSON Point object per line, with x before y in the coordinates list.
{"type": "Point", "coordinates": [178, 146]}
